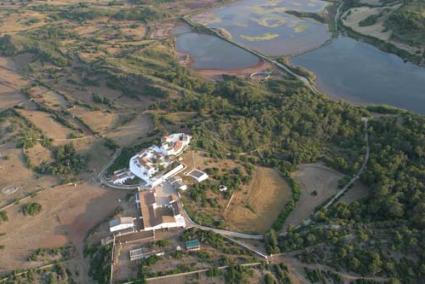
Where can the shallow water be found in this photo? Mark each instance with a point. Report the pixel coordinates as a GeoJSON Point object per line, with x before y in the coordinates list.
{"type": "Point", "coordinates": [266, 27]}
{"type": "Point", "coordinates": [210, 52]}
{"type": "Point", "coordinates": [358, 71]}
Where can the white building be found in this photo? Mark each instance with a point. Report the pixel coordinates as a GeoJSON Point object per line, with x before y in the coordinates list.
{"type": "Point", "coordinates": [198, 175]}
{"type": "Point", "coordinates": [175, 144]}
{"type": "Point", "coordinates": [157, 163]}
{"type": "Point", "coordinates": [121, 224]}
{"type": "Point", "coordinates": [121, 176]}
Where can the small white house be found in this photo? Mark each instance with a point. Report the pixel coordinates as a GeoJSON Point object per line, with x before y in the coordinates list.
{"type": "Point", "coordinates": [120, 224]}
{"type": "Point", "coordinates": [222, 188]}
{"type": "Point", "coordinates": [198, 175]}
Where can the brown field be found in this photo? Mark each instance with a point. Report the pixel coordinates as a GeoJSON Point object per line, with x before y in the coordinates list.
{"type": "Point", "coordinates": [38, 154]}
{"type": "Point", "coordinates": [256, 206]}
{"type": "Point", "coordinates": [97, 120]}
{"type": "Point", "coordinates": [68, 214]}
{"type": "Point", "coordinates": [16, 177]}
{"type": "Point", "coordinates": [197, 159]}
{"type": "Point", "coordinates": [312, 177]}
{"type": "Point", "coordinates": [10, 84]}
{"type": "Point", "coordinates": [48, 98]}
{"type": "Point", "coordinates": [50, 127]}
{"type": "Point", "coordinates": [127, 134]}
{"type": "Point", "coordinates": [17, 22]}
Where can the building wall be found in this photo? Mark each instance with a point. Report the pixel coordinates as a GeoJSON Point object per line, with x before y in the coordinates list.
{"type": "Point", "coordinates": [121, 227]}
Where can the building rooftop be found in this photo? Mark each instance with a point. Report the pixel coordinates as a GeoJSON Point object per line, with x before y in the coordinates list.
{"type": "Point", "coordinates": [153, 214]}
{"type": "Point", "coordinates": [120, 220]}
{"type": "Point", "coordinates": [192, 244]}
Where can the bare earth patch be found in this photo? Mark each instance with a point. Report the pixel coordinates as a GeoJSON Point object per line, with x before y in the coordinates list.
{"type": "Point", "coordinates": [97, 120]}
{"type": "Point", "coordinates": [357, 192]}
{"type": "Point", "coordinates": [317, 183]}
{"type": "Point", "coordinates": [38, 154]}
{"type": "Point", "coordinates": [256, 206]}
{"type": "Point", "coordinates": [127, 134]}
{"type": "Point", "coordinates": [50, 127]}
{"type": "Point", "coordinates": [68, 214]}
{"type": "Point", "coordinates": [10, 84]}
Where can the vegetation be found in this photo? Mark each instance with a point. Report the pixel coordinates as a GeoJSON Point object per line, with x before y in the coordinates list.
{"type": "Point", "coordinates": [67, 162]}
{"type": "Point", "coordinates": [408, 23]}
{"type": "Point", "coordinates": [100, 262]}
{"type": "Point", "coordinates": [32, 208]}
{"type": "Point", "coordinates": [3, 216]}
{"type": "Point", "coordinates": [55, 253]}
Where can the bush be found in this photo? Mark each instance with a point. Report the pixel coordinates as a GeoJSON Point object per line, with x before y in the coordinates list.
{"type": "Point", "coordinates": [31, 209]}
{"type": "Point", "coordinates": [3, 216]}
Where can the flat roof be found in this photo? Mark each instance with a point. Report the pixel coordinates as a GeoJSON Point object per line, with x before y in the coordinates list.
{"type": "Point", "coordinates": [153, 215]}
{"type": "Point", "coordinates": [197, 173]}
{"type": "Point", "coordinates": [192, 244]}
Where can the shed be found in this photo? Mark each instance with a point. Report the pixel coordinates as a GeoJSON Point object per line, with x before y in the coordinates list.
{"type": "Point", "coordinates": [193, 245]}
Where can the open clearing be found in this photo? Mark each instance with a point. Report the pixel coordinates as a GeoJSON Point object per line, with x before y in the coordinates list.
{"type": "Point", "coordinates": [14, 174]}
{"type": "Point", "coordinates": [256, 206]}
{"type": "Point", "coordinates": [317, 183]}
{"type": "Point", "coordinates": [357, 192]}
{"type": "Point", "coordinates": [98, 121]}
{"type": "Point", "coordinates": [130, 132]}
{"type": "Point", "coordinates": [10, 84]}
{"type": "Point", "coordinates": [38, 154]}
{"type": "Point", "coordinates": [43, 121]}
{"type": "Point", "coordinates": [68, 214]}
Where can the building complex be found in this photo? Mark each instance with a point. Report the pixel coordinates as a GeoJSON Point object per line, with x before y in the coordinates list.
{"type": "Point", "coordinates": [157, 163]}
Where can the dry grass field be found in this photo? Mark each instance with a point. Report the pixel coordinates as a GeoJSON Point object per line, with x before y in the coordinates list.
{"type": "Point", "coordinates": [68, 213]}
{"type": "Point", "coordinates": [317, 183]}
{"type": "Point", "coordinates": [130, 132]}
{"type": "Point", "coordinates": [256, 206]}
{"type": "Point", "coordinates": [50, 99]}
{"type": "Point", "coordinates": [99, 121]}
{"type": "Point", "coordinates": [50, 127]}
{"type": "Point", "coordinates": [10, 84]}
{"type": "Point", "coordinates": [39, 154]}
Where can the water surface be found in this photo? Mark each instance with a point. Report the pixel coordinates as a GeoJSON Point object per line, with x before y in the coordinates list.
{"type": "Point", "coordinates": [266, 27]}
{"type": "Point", "coordinates": [210, 52]}
{"type": "Point", "coordinates": [360, 72]}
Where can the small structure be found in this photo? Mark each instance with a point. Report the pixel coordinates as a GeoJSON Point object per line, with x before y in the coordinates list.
{"type": "Point", "coordinates": [198, 175]}
{"type": "Point", "coordinates": [121, 176]}
{"type": "Point", "coordinates": [177, 183]}
{"type": "Point", "coordinates": [120, 224]}
{"type": "Point", "coordinates": [142, 253]}
{"type": "Point", "coordinates": [222, 188]}
{"type": "Point", "coordinates": [193, 245]}
{"type": "Point", "coordinates": [180, 185]}
{"type": "Point", "coordinates": [174, 179]}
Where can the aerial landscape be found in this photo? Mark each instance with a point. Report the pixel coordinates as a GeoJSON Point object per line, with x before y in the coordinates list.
{"type": "Point", "coordinates": [212, 141]}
